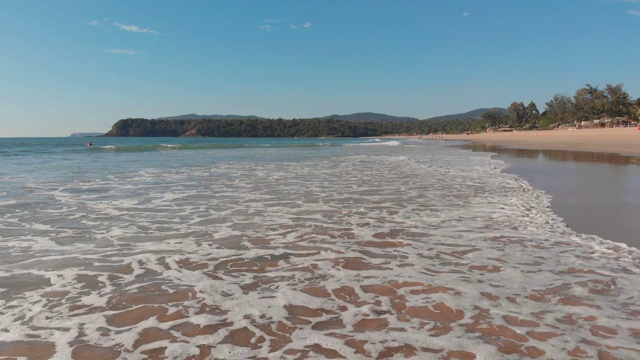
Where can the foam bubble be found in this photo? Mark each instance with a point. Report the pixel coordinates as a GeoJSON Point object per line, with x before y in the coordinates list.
{"type": "Point", "coordinates": [378, 143]}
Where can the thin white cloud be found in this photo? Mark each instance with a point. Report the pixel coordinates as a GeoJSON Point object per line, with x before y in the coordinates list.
{"type": "Point", "coordinates": [465, 14]}
{"type": "Point", "coordinates": [268, 27]}
{"type": "Point", "coordinates": [305, 26]}
{"type": "Point", "coordinates": [634, 12]}
{"type": "Point", "coordinates": [269, 24]}
{"type": "Point", "coordinates": [135, 29]}
{"type": "Point", "coordinates": [122, 51]}
{"type": "Point", "coordinates": [94, 23]}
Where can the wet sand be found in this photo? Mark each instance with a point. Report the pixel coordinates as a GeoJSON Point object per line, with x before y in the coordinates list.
{"type": "Point", "coordinates": [595, 192]}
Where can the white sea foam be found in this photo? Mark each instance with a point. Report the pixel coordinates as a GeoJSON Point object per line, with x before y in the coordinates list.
{"type": "Point", "coordinates": [415, 251]}
{"type": "Point", "coordinates": [378, 143]}
{"type": "Point", "coordinates": [170, 146]}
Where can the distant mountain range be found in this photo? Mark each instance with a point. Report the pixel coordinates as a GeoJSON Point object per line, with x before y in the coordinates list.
{"type": "Point", "coordinates": [468, 115]}
{"type": "Point", "coordinates": [357, 117]}
{"type": "Point", "coordinates": [369, 117]}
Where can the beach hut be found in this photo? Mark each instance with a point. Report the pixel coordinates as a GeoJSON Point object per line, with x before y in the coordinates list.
{"type": "Point", "coordinates": [623, 122]}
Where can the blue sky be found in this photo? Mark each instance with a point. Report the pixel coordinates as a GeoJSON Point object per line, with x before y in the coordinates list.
{"type": "Point", "coordinates": [81, 65]}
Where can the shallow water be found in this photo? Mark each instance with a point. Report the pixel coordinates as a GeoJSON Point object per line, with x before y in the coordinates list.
{"type": "Point", "coordinates": [596, 193]}
{"type": "Point", "coordinates": [297, 248]}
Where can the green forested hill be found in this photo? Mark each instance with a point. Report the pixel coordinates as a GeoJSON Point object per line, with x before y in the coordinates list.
{"type": "Point", "coordinates": [281, 128]}
{"type": "Point", "coordinates": [370, 117]}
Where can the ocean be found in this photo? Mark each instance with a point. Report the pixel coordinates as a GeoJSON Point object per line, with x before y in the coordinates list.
{"type": "Point", "coordinates": [191, 248]}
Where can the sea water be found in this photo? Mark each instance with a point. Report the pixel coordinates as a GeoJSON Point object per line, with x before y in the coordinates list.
{"type": "Point", "coordinates": [142, 248]}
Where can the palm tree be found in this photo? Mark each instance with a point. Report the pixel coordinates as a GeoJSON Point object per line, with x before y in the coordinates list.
{"type": "Point", "coordinates": [635, 110]}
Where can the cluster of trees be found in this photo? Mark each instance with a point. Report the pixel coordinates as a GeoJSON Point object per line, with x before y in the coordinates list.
{"type": "Point", "coordinates": [588, 103]}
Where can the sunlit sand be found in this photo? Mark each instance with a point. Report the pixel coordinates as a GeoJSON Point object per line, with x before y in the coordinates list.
{"type": "Point", "coordinates": [618, 140]}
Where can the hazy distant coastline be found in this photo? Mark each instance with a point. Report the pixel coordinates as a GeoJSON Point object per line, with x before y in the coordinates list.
{"type": "Point", "coordinates": [86, 134]}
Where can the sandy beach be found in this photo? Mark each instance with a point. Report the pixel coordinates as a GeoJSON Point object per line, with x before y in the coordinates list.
{"type": "Point", "coordinates": [624, 141]}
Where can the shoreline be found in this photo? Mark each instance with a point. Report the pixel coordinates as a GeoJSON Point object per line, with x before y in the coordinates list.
{"type": "Point", "coordinates": [595, 193]}
{"type": "Point", "coordinates": [593, 175]}
{"type": "Point", "coordinates": [624, 141]}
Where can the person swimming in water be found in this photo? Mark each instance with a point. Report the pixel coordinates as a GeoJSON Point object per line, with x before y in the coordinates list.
{"type": "Point", "coordinates": [90, 144]}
